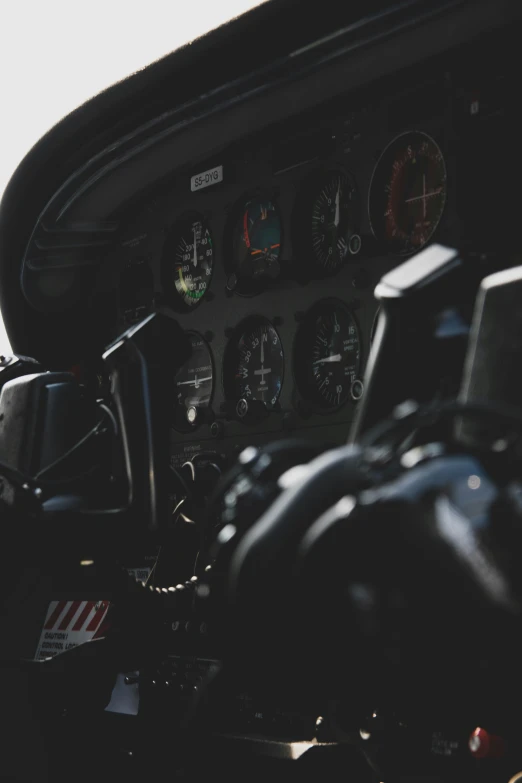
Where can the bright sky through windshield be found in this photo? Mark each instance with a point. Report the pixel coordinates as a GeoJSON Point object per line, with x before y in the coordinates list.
{"type": "Point", "coordinates": [55, 54]}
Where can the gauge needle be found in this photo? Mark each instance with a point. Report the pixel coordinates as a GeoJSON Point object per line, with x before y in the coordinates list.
{"type": "Point", "coordinates": [336, 357]}
{"type": "Point", "coordinates": [257, 252]}
{"type": "Point", "coordinates": [262, 370]}
{"type": "Point", "coordinates": [424, 196]}
{"type": "Point", "coordinates": [337, 198]}
{"type": "Point", "coordinates": [195, 257]}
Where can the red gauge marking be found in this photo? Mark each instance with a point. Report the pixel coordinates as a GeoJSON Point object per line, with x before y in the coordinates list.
{"type": "Point", "coordinates": [257, 252]}
{"type": "Point", "coordinates": [408, 192]}
{"type": "Point", "coordinates": [245, 229]}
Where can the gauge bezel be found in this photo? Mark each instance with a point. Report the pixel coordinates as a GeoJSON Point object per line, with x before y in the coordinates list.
{"type": "Point", "coordinates": [230, 353]}
{"type": "Point", "coordinates": [382, 242]}
{"type": "Point", "coordinates": [314, 405]}
{"type": "Point", "coordinates": [249, 288]}
{"type": "Point", "coordinates": [180, 424]}
{"type": "Point", "coordinates": [302, 231]}
{"type": "Point", "coordinates": [174, 234]}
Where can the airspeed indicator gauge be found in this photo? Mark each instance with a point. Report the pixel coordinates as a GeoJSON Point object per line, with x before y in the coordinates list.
{"type": "Point", "coordinates": [187, 262]}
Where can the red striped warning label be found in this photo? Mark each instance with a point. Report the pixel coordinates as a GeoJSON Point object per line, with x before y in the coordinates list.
{"type": "Point", "coordinates": [70, 623]}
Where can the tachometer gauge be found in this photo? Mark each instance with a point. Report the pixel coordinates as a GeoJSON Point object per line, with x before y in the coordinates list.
{"type": "Point", "coordinates": [194, 385]}
{"type": "Point", "coordinates": [187, 262]}
{"type": "Point", "coordinates": [332, 221]}
{"type": "Point", "coordinates": [256, 244]}
{"type": "Point", "coordinates": [254, 363]}
{"type": "Point", "coordinates": [408, 192]}
{"type": "Point", "coordinates": [327, 355]}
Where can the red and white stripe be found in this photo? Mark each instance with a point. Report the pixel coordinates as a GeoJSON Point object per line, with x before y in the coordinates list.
{"type": "Point", "coordinates": [86, 616]}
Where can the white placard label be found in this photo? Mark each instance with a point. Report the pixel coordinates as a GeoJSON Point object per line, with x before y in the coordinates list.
{"type": "Point", "coordinates": [207, 178]}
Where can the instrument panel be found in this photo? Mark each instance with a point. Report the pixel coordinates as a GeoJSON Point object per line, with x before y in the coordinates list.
{"type": "Point", "coordinates": [261, 214]}
{"type": "Point", "coordinates": [268, 255]}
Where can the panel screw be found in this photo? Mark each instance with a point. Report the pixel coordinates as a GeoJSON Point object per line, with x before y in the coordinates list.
{"type": "Point", "coordinates": [216, 429]}
{"type": "Point", "coordinates": [357, 390]}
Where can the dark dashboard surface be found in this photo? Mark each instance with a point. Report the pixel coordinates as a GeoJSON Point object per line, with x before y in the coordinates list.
{"type": "Point", "coordinates": [259, 204]}
{"type": "Point", "coordinates": [339, 159]}
{"type": "Point", "coordinates": [424, 148]}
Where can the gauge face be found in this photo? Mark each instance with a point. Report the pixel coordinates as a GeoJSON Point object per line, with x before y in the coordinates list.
{"type": "Point", "coordinates": [327, 354]}
{"type": "Point", "coordinates": [187, 262]}
{"type": "Point", "coordinates": [254, 363]}
{"type": "Point", "coordinates": [256, 243]}
{"type": "Point", "coordinates": [194, 385]}
{"type": "Point", "coordinates": [408, 192]}
{"type": "Point", "coordinates": [333, 221]}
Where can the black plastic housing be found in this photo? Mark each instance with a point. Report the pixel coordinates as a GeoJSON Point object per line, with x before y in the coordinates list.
{"type": "Point", "coordinates": [41, 416]}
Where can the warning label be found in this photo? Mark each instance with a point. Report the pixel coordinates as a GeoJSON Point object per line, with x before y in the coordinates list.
{"type": "Point", "coordinates": [70, 623]}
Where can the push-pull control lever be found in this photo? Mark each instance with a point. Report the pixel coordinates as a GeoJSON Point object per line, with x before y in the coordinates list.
{"type": "Point", "coordinates": [412, 350]}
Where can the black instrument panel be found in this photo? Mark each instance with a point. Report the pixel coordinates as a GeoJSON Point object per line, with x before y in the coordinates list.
{"type": "Point", "coordinates": [268, 254]}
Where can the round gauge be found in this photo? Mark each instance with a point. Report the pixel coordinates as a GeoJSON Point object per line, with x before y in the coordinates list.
{"type": "Point", "coordinates": [327, 354]}
{"type": "Point", "coordinates": [254, 363]}
{"type": "Point", "coordinates": [408, 192]}
{"type": "Point", "coordinates": [194, 385]}
{"type": "Point", "coordinates": [256, 244]}
{"type": "Point", "coordinates": [187, 262]}
{"type": "Point", "coordinates": [332, 221]}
